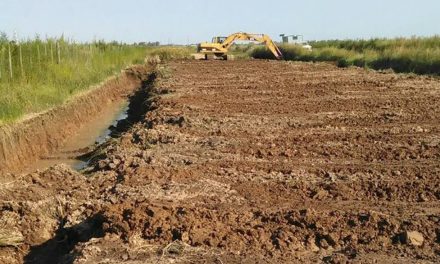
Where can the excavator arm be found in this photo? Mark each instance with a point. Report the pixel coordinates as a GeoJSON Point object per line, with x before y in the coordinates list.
{"type": "Point", "coordinates": [260, 38]}
{"type": "Point", "coordinates": [223, 47]}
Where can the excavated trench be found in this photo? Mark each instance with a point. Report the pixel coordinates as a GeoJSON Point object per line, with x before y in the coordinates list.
{"type": "Point", "coordinates": [57, 249]}
{"type": "Point", "coordinates": [67, 133]}
{"type": "Point", "coordinates": [97, 131]}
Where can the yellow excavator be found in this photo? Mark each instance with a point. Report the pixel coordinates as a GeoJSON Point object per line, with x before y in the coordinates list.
{"type": "Point", "coordinates": [220, 45]}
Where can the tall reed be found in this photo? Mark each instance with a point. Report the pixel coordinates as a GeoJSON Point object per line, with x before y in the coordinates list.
{"type": "Point", "coordinates": [38, 74]}
{"type": "Point", "coordinates": [416, 55]}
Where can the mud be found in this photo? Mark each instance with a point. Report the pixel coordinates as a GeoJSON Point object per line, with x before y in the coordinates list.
{"type": "Point", "coordinates": [94, 132]}
{"type": "Point", "coordinates": [247, 162]}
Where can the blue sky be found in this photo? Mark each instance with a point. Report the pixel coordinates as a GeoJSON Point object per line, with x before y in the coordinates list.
{"type": "Point", "coordinates": [191, 21]}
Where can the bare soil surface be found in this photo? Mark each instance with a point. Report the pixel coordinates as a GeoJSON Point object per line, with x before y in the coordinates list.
{"type": "Point", "coordinates": [246, 162]}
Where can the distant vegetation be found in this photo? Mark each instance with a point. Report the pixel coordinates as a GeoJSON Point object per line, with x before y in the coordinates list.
{"type": "Point", "coordinates": [416, 55]}
{"type": "Point", "coordinates": [38, 74]}
{"type": "Point", "coordinates": [172, 52]}
{"type": "Point", "coordinates": [41, 73]}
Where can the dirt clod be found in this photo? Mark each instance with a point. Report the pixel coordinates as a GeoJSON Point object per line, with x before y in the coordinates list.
{"type": "Point", "coordinates": [413, 238]}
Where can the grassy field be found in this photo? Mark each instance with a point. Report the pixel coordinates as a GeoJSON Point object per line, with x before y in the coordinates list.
{"type": "Point", "coordinates": [416, 55]}
{"type": "Point", "coordinates": [38, 74]}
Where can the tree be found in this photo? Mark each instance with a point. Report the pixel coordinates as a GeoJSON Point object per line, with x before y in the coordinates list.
{"type": "Point", "coordinates": [3, 37]}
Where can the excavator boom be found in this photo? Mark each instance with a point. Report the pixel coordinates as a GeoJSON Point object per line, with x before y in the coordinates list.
{"type": "Point", "coordinates": [220, 48]}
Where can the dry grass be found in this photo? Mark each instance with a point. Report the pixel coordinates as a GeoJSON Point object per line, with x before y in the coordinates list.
{"type": "Point", "coordinates": [10, 236]}
{"type": "Point", "coordinates": [181, 252]}
{"type": "Point", "coordinates": [175, 248]}
{"type": "Point", "coordinates": [59, 211]}
{"type": "Point", "coordinates": [164, 72]}
{"type": "Point", "coordinates": [172, 53]}
{"type": "Point", "coordinates": [10, 239]}
{"type": "Point", "coordinates": [174, 252]}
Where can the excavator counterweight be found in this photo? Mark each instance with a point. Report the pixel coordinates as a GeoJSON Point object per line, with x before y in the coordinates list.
{"type": "Point", "coordinates": [219, 46]}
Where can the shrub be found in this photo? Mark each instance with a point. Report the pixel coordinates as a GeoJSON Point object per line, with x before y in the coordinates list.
{"type": "Point", "coordinates": [172, 53]}
{"type": "Point", "coordinates": [417, 55]}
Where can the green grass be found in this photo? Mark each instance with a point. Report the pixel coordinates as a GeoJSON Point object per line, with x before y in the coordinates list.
{"type": "Point", "coordinates": [411, 55]}
{"type": "Point", "coordinates": [42, 79]}
{"type": "Point", "coordinates": [173, 52]}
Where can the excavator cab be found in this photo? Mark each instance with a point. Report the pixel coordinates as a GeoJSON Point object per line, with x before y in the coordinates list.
{"type": "Point", "coordinates": [218, 40]}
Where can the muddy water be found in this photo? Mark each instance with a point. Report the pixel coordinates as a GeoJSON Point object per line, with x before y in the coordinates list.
{"type": "Point", "coordinates": [96, 131]}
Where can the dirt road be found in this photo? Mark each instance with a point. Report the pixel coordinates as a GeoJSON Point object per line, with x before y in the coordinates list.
{"type": "Point", "coordinates": [248, 162]}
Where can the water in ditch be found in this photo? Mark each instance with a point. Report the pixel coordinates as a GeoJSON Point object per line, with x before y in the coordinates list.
{"type": "Point", "coordinates": [94, 132]}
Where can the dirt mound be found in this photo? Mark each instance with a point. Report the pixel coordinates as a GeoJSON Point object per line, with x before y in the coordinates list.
{"type": "Point", "coordinates": [34, 206]}
{"type": "Point", "coordinates": [261, 162]}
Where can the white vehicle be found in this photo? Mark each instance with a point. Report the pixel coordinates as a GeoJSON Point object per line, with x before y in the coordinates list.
{"type": "Point", "coordinates": [307, 47]}
{"type": "Point", "coordinates": [295, 39]}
